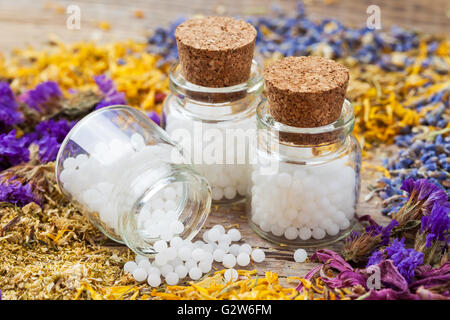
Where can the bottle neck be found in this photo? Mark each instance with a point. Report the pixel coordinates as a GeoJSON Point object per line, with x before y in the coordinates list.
{"type": "Point", "coordinates": [216, 101]}
{"type": "Point", "coordinates": [323, 141]}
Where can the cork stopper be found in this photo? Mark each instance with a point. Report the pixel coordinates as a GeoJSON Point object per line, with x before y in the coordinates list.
{"type": "Point", "coordinates": [306, 92]}
{"type": "Point", "coordinates": [216, 52]}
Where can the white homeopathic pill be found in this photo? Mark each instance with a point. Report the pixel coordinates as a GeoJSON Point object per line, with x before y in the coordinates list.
{"type": "Point", "coordinates": [243, 259]}
{"type": "Point", "coordinates": [195, 273]}
{"type": "Point", "coordinates": [230, 274]}
{"type": "Point", "coordinates": [139, 274]}
{"type": "Point", "coordinates": [229, 260]}
{"type": "Point", "coordinates": [300, 255]}
{"type": "Point", "coordinates": [130, 266]}
{"type": "Point", "coordinates": [234, 234]}
{"type": "Point", "coordinates": [258, 255]}
{"type": "Point", "coordinates": [154, 280]}
{"type": "Point", "coordinates": [172, 278]}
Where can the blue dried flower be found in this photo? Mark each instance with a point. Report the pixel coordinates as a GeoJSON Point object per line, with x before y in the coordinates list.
{"type": "Point", "coordinates": [110, 93]}
{"type": "Point", "coordinates": [155, 117]}
{"type": "Point", "coordinates": [12, 150]}
{"type": "Point", "coordinates": [9, 113]}
{"type": "Point", "coordinates": [14, 192]}
{"type": "Point", "coordinates": [436, 224]}
{"type": "Point", "coordinates": [43, 96]}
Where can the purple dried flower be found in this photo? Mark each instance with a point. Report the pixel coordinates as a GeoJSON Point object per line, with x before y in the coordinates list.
{"type": "Point", "coordinates": [406, 260]}
{"type": "Point", "coordinates": [423, 190]}
{"type": "Point", "coordinates": [15, 192]}
{"type": "Point", "coordinates": [358, 246]}
{"type": "Point", "coordinates": [375, 257]}
{"type": "Point", "coordinates": [48, 148]}
{"type": "Point", "coordinates": [43, 96]}
{"type": "Point", "coordinates": [437, 224]}
{"type": "Point", "coordinates": [9, 114]}
{"type": "Point", "coordinates": [12, 150]}
{"type": "Point", "coordinates": [56, 129]}
{"type": "Point", "coordinates": [110, 93]}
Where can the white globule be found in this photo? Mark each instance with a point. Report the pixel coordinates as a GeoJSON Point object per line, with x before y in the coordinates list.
{"type": "Point", "coordinates": [258, 255]}
{"type": "Point", "coordinates": [230, 275]}
{"type": "Point", "coordinates": [228, 175]}
{"type": "Point", "coordinates": [139, 274]}
{"type": "Point", "coordinates": [300, 255]}
{"type": "Point", "coordinates": [301, 202]}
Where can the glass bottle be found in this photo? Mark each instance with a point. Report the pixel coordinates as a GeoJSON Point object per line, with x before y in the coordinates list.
{"type": "Point", "coordinates": [130, 180]}
{"type": "Point", "coordinates": [302, 193]}
{"type": "Point", "coordinates": [215, 126]}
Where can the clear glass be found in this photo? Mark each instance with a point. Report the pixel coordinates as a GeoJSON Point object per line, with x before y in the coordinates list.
{"type": "Point", "coordinates": [304, 182]}
{"type": "Point", "coordinates": [131, 180]}
{"type": "Point", "coordinates": [215, 126]}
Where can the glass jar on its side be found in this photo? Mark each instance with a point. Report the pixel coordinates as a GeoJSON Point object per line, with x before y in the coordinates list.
{"type": "Point", "coordinates": [215, 126]}
{"type": "Point", "coordinates": [305, 182]}
{"type": "Point", "coordinates": [130, 180]}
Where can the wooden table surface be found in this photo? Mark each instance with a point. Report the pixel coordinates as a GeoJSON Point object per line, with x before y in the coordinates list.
{"type": "Point", "coordinates": [30, 22]}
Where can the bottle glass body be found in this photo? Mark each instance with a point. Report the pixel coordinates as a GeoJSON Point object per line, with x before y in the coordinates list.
{"type": "Point", "coordinates": [130, 180]}
{"type": "Point", "coordinates": [304, 182]}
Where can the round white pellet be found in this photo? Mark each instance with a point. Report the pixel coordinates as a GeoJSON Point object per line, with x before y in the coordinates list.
{"type": "Point", "coordinates": [230, 275]}
{"type": "Point", "coordinates": [184, 253]}
{"type": "Point", "coordinates": [277, 230]}
{"type": "Point", "coordinates": [225, 239]}
{"type": "Point", "coordinates": [172, 278]}
{"type": "Point", "coordinates": [234, 234]}
{"type": "Point", "coordinates": [318, 233]}
{"type": "Point", "coordinates": [234, 249]}
{"type": "Point", "coordinates": [332, 229]}
{"type": "Point", "coordinates": [230, 192]}
{"type": "Point", "coordinates": [205, 266]}
{"type": "Point", "coordinates": [224, 247]}
{"type": "Point", "coordinates": [176, 242]}
{"type": "Point", "coordinates": [205, 237]}
{"type": "Point", "coordinates": [245, 248]}
{"type": "Point", "coordinates": [130, 266]}
{"type": "Point", "coordinates": [154, 280]}
{"type": "Point", "coordinates": [214, 235]}
{"type": "Point", "coordinates": [217, 193]}
{"type": "Point", "coordinates": [291, 233]}
{"type": "Point", "coordinates": [160, 245]}
{"type": "Point", "coordinates": [176, 227]}
{"type": "Point", "coordinates": [189, 264]}
{"type": "Point", "coordinates": [304, 233]}
{"type": "Point", "coordinates": [166, 269]}
{"type": "Point", "coordinates": [243, 259]}
{"type": "Point", "coordinates": [229, 260]}
{"type": "Point", "coordinates": [300, 255]}
{"type": "Point", "coordinates": [144, 264]}
{"type": "Point", "coordinates": [171, 253]}
{"type": "Point", "coordinates": [218, 255]}
{"type": "Point", "coordinates": [197, 254]}
{"type": "Point", "coordinates": [181, 271]}
{"type": "Point", "coordinates": [139, 274]}
{"type": "Point", "coordinates": [220, 228]}
{"type": "Point", "coordinates": [154, 270]}
{"type": "Point", "coordinates": [258, 255]}
{"type": "Point", "coordinates": [195, 273]}
{"type": "Point", "coordinates": [139, 258]}
{"type": "Point", "coordinates": [161, 258]}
